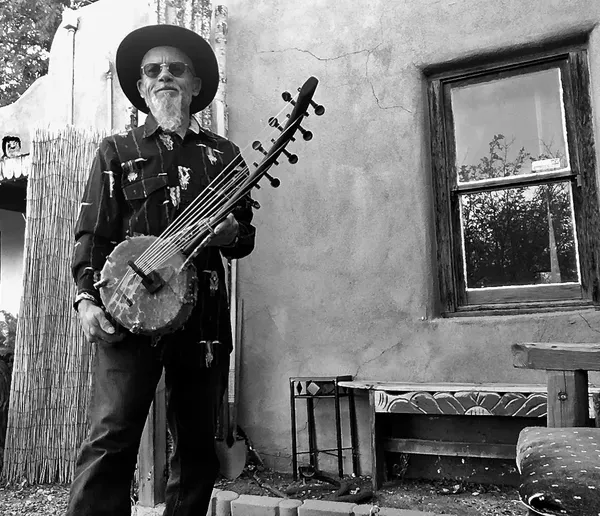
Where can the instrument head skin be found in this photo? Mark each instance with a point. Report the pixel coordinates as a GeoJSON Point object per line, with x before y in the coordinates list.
{"type": "Point", "coordinates": [136, 308]}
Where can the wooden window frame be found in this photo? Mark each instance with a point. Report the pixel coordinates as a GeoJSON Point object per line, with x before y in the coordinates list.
{"type": "Point", "coordinates": [573, 63]}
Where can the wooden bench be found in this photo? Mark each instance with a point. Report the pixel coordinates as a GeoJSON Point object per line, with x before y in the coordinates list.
{"type": "Point", "coordinates": [445, 399]}
{"type": "Point", "coordinates": [560, 465]}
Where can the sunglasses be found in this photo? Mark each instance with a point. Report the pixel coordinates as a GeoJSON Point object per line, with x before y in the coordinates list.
{"type": "Point", "coordinates": [176, 69]}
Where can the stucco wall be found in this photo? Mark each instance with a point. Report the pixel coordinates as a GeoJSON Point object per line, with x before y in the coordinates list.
{"type": "Point", "coordinates": [12, 231]}
{"type": "Point", "coordinates": [99, 102]}
{"type": "Point", "coordinates": [16, 118]}
{"type": "Point", "coordinates": [343, 277]}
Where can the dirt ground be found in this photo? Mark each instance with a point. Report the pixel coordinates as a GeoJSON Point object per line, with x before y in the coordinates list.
{"type": "Point", "coordinates": [440, 497]}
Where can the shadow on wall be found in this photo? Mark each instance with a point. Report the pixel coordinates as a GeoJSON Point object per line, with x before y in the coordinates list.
{"type": "Point", "coordinates": [8, 330]}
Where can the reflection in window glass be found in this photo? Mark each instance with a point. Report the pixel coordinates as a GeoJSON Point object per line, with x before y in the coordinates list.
{"type": "Point", "coordinates": [509, 126]}
{"type": "Point", "coordinates": [519, 236]}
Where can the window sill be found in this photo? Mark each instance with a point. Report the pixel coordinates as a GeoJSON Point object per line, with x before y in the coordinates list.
{"type": "Point", "coordinates": [520, 308]}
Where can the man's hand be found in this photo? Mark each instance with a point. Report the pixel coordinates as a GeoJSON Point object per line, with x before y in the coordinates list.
{"type": "Point", "coordinates": [225, 233]}
{"type": "Point", "coordinates": [96, 326]}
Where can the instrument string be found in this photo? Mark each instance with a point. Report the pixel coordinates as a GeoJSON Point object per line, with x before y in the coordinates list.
{"type": "Point", "coordinates": [199, 223]}
{"type": "Point", "coordinates": [217, 186]}
{"type": "Point", "coordinates": [166, 248]}
{"type": "Point", "coordinates": [197, 219]}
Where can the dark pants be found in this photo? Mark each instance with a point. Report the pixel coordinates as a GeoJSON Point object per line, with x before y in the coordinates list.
{"type": "Point", "coordinates": [125, 378]}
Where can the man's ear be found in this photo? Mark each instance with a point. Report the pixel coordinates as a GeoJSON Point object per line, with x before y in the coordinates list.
{"type": "Point", "coordinates": [197, 86]}
{"type": "Point", "coordinates": [140, 89]}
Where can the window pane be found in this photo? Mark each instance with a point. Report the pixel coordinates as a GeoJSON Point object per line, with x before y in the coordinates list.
{"type": "Point", "coordinates": [509, 126]}
{"type": "Point", "coordinates": [519, 236]}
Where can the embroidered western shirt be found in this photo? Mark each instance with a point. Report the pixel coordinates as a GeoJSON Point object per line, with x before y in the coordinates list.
{"type": "Point", "coordinates": [139, 182]}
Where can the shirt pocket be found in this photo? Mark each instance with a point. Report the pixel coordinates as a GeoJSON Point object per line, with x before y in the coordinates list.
{"type": "Point", "coordinates": [144, 187]}
{"type": "Point", "coordinates": [149, 204]}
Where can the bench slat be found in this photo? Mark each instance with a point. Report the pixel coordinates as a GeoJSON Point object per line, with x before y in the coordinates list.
{"type": "Point", "coordinates": [449, 448]}
{"type": "Point", "coordinates": [442, 386]}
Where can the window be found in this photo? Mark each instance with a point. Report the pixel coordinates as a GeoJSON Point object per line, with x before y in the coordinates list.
{"type": "Point", "coordinates": [514, 179]}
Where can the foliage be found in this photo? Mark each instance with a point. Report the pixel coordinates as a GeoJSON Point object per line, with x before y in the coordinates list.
{"type": "Point", "coordinates": [8, 332]}
{"type": "Point", "coordinates": [507, 231]}
{"type": "Point", "coordinates": [27, 28]}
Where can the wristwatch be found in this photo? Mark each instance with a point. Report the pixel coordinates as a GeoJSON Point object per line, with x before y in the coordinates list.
{"type": "Point", "coordinates": [84, 295]}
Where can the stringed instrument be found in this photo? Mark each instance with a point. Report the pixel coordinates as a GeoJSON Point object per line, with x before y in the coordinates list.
{"type": "Point", "coordinates": [148, 284]}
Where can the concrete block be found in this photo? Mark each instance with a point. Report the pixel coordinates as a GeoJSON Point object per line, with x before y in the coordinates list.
{"type": "Point", "coordinates": [140, 510]}
{"type": "Point", "coordinates": [253, 505]}
{"type": "Point", "coordinates": [223, 501]}
{"type": "Point", "coordinates": [213, 502]}
{"type": "Point", "coordinates": [289, 507]}
{"type": "Point", "coordinates": [374, 510]}
{"type": "Point", "coordinates": [325, 508]}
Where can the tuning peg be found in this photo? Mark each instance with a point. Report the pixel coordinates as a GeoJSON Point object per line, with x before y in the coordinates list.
{"type": "Point", "coordinates": [273, 122]}
{"type": "Point", "coordinates": [287, 96]}
{"type": "Point", "coordinates": [292, 158]}
{"type": "Point", "coordinates": [258, 147]}
{"type": "Point", "coordinates": [319, 109]}
{"type": "Point", "coordinates": [275, 182]}
{"type": "Point", "coordinates": [307, 135]}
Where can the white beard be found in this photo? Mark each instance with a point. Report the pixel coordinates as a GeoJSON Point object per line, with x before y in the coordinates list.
{"type": "Point", "coordinates": [166, 110]}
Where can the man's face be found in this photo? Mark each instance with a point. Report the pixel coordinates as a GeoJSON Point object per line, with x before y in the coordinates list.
{"type": "Point", "coordinates": [166, 92]}
{"type": "Point", "coordinates": [13, 148]}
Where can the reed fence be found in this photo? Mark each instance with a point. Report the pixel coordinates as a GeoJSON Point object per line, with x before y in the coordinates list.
{"type": "Point", "coordinates": [47, 417]}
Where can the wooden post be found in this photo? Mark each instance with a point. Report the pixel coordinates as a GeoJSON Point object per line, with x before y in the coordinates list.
{"type": "Point", "coordinates": [568, 398]}
{"type": "Point", "coordinates": [152, 459]}
{"type": "Point", "coordinates": [567, 367]}
{"type": "Point", "coordinates": [377, 460]}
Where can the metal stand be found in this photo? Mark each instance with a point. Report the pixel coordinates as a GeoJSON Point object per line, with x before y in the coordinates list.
{"type": "Point", "coordinates": [309, 389]}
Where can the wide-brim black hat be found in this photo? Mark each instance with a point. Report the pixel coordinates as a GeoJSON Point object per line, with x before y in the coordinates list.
{"type": "Point", "coordinates": [134, 46]}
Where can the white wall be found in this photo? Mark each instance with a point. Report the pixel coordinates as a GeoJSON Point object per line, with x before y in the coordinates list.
{"type": "Point", "coordinates": [12, 233]}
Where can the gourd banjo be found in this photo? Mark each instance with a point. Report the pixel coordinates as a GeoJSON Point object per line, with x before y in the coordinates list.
{"type": "Point", "coordinates": [148, 284]}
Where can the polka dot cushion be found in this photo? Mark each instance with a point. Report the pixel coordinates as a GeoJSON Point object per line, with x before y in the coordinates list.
{"type": "Point", "coordinates": [560, 470]}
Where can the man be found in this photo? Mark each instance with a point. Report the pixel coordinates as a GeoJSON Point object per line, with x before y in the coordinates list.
{"type": "Point", "coordinates": [138, 184]}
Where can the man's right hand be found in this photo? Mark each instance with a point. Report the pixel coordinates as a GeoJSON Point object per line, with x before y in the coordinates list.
{"type": "Point", "coordinates": [95, 324]}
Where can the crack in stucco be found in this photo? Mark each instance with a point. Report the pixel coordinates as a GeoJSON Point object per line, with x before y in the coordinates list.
{"type": "Point", "coordinates": [375, 358]}
{"type": "Point", "coordinates": [395, 106]}
{"type": "Point", "coordinates": [342, 56]}
{"type": "Point", "coordinates": [589, 325]}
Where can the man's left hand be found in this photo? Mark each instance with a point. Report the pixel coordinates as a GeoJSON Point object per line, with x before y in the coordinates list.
{"type": "Point", "coordinates": [225, 232]}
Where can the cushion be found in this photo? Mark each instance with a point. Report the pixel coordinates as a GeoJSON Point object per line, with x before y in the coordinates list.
{"type": "Point", "coordinates": [560, 470]}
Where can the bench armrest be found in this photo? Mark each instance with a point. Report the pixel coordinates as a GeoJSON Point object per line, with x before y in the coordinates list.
{"type": "Point", "coordinates": [567, 367]}
{"type": "Point", "coordinates": [556, 356]}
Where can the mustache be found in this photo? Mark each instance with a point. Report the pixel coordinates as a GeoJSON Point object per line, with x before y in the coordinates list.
{"type": "Point", "coordinates": [165, 88]}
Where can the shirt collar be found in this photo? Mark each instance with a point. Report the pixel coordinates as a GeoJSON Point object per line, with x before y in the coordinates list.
{"type": "Point", "coordinates": [194, 125]}
{"type": "Point", "coordinates": [151, 126]}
